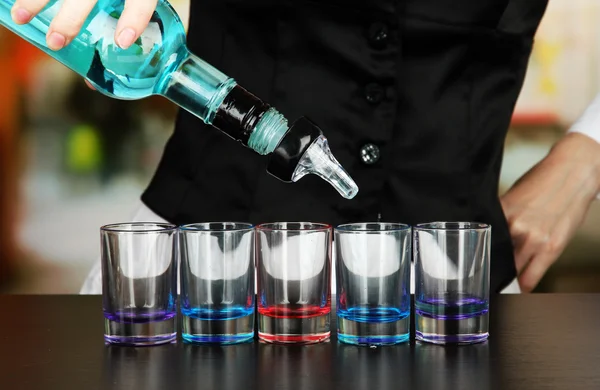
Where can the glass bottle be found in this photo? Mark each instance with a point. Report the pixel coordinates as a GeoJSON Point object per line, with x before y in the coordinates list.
{"type": "Point", "coordinates": [159, 63]}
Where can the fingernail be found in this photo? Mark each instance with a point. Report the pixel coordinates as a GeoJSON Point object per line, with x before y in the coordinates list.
{"type": "Point", "coordinates": [21, 15]}
{"type": "Point", "coordinates": [126, 38]}
{"type": "Point", "coordinates": [56, 41]}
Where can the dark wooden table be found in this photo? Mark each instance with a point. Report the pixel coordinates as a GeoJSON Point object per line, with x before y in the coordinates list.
{"type": "Point", "coordinates": [536, 342]}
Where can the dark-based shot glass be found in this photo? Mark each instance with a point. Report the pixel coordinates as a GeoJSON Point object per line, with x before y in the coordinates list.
{"type": "Point", "coordinates": [452, 276]}
{"type": "Point", "coordinates": [139, 283]}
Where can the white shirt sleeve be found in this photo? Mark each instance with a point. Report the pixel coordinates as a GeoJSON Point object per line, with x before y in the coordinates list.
{"type": "Point", "coordinates": [589, 123]}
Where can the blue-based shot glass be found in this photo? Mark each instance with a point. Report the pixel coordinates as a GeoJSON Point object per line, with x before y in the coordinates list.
{"type": "Point", "coordinates": [373, 283]}
{"type": "Point", "coordinates": [139, 283]}
{"type": "Point", "coordinates": [217, 282]}
{"type": "Point", "coordinates": [452, 276]}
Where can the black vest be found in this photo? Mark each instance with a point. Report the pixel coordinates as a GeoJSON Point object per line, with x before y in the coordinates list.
{"type": "Point", "coordinates": [414, 96]}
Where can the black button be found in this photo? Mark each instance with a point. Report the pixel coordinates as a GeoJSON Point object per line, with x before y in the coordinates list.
{"type": "Point", "coordinates": [378, 35]}
{"type": "Point", "coordinates": [374, 93]}
{"type": "Point", "coordinates": [370, 154]}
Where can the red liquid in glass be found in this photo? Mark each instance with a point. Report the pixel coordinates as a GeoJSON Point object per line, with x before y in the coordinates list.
{"type": "Point", "coordinates": [295, 313]}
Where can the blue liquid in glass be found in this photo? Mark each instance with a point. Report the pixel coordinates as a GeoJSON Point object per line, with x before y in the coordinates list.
{"type": "Point", "coordinates": [364, 325]}
{"type": "Point", "coordinates": [227, 313]}
{"type": "Point", "coordinates": [231, 324]}
{"type": "Point", "coordinates": [373, 314]}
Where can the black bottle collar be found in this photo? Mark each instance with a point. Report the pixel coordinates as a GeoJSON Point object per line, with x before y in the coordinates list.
{"type": "Point", "coordinates": [285, 158]}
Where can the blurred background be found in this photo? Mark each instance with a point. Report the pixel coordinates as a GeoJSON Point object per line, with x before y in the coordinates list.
{"type": "Point", "coordinates": [72, 160]}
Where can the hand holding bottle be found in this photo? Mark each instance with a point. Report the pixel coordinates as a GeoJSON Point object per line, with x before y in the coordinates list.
{"type": "Point", "coordinates": [73, 13]}
{"type": "Point", "coordinates": [134, 49]}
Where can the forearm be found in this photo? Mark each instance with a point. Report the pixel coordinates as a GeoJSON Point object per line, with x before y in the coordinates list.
{"type": "Point", "coordinates": [547, 205]}
{"type": "Point", "coordinates": [583, 142]}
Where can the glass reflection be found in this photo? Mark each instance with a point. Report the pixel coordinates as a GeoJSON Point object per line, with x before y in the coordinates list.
{"type": "Point", "coordinates": [453, 367]}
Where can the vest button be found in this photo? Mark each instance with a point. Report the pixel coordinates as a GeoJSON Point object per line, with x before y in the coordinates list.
{"type": "Point", "coordinates": [378, 35]}
{"type": "Point", "coordinates": [374, 93]}
{"type": "Point", "coordinates": [370, 154]}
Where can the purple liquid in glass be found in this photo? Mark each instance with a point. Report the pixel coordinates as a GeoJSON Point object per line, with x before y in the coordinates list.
{"type": "Point", "coordinates": [452, 318]}
{"type": "Point", "coordinates": [451, 309]}
{"type": "Point", "coordinates": [140, 316]}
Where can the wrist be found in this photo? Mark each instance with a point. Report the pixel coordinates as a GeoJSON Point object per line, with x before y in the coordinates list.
{"type": "Point", "coordinates": [580, 154]}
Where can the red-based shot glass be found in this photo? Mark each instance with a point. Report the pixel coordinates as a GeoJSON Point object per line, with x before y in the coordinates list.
{"type": "Point", "coordinates": [294, 278]}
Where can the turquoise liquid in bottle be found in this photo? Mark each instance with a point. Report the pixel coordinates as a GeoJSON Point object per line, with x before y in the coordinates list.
{"type": "Point", "coordinates": [144, 69]}
{"type": "Point", "coordinates": [159, 63]}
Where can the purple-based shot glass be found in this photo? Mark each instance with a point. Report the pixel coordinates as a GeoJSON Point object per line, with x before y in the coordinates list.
{"type": "Point", "coordinates": [139, 283]}
{"type": "Point", "coordinates": [452, 273]}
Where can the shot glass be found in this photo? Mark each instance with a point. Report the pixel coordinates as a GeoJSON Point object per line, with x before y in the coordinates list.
{"type": "Point", "coordinates": [294, 282]}
{"type": "Point", "coordinates": [139, 283]}
{"type": "Point", "coordinates": [452, 273]}
{"type": "Point", "coordinates": [373, 283]}
{"type": "Point", "coordinates": [217, 282]}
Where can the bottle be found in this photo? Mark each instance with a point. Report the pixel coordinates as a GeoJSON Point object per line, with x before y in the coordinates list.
{"type": "Point", "coordinates": [159, 63]}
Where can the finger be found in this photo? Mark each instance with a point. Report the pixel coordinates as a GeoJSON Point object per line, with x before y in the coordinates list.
{"type": "Point", "coordinates": [90, 86]}
{"type": "Point", "coordinates": [524, 252]}
{"type": "Point", "coordinates": [24, 10]}
{"type": "Point", "coordinates": [68, 22]}
{"type": "Point", "coordinates": [524, 247]}
{"type": "Point", "coordinates": [527, 242]}
{"type": "Point", "coordinates": [534, 272]}
{"type": "Point", "coordinates": [133, 21]}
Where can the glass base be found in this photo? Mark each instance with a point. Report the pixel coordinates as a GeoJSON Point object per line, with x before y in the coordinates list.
{"type": "Point", "coordinates": [140, 334]}
{"type": "Point", "coordinates": [373, 333]}
{"type": "Point", "coordinates": [452, 331]}
{"type": "Point", "coordinates": [293, 330]}
{"type": "Point", "coordinates": [234, 331]}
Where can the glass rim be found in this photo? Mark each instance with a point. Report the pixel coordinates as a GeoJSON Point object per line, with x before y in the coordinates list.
{"type": "Point", "coordinates": [397, 227]}
{"type": "Point", "coordinates": [453, 226]}
{"type": "Point", "coordinates": [120, 227]}
{"type": "Point", "coordinates": [237, 227]}
{"type": "Point", "coordinates": [276, 226]}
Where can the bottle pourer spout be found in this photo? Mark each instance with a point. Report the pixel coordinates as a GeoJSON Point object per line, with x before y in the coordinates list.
{"type": "Point", "coordinates": [319, 161]}
{"type": "Point", "coordinates": [305, 150]}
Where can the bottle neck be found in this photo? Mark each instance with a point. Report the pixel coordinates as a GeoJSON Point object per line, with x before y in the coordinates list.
{"type": "Point", "coordinates": [217, 99]}
{"type": "Point", "coordinates": [268, 133]}
{"type": "Point", "coordinates": [196, 86]}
